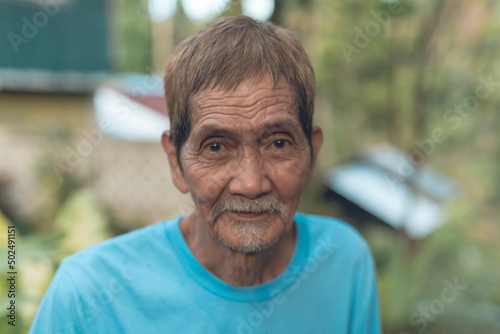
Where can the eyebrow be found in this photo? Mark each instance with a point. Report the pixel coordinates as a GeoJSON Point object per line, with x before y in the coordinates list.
{"type": "Point", "coordinates": [213, 131]}
{"type": "Point", "coordinates": [283, 125]}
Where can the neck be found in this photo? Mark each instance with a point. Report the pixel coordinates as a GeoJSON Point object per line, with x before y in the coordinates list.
{"type": "Point", "coordinates": [234, 267]}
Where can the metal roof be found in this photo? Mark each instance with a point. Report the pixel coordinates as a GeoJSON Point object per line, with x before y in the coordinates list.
{"type": "Point", "coordinates": [53, 46]}
{"type": "Point", "coordinates": [132, 107]}
{"type": "Point", "coordinates": [384, 182]}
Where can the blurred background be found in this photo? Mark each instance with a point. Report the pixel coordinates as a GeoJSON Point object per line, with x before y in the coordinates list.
{"type": "Point", "coordinates": [407, 95]}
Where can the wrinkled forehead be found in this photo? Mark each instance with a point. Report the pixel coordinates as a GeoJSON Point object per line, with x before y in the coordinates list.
{"type": "Point", "coordinates": [249, 99]}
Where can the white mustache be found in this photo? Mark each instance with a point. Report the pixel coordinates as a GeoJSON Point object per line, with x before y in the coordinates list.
{"type": "Point", "coordinates": [238, 204]}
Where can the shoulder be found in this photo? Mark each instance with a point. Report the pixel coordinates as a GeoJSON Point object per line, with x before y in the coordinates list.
{"type": "Point", "coordinates": [334, 233]}
{"type": "Point", "coordinates": [338, 229]}
{"type": "Point", "coordinates": [130, 249]}
{"type": "Point", "coordinates": [91, 284]}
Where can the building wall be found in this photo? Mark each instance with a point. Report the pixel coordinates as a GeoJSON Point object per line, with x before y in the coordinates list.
{"type": "Point", "coordinates": [45, 112]}
{"type": "Point", "coordinates": [130, 179]}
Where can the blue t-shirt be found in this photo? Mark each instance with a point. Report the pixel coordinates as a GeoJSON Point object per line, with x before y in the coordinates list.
{"type": "Point", "coordinates": [148, 281]}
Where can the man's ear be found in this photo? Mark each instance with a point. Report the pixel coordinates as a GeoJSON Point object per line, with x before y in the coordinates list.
{"type": "Point", "coordinates": [316, 142]}
{"type": "Point", "coordinates": [175, 168]}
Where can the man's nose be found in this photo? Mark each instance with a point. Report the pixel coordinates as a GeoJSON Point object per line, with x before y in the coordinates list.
{"type": "Point", "coordinates": [250, 177]}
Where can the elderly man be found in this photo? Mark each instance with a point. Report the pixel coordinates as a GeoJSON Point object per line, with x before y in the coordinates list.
{"type": "Point", "coordinates": [240, 99]}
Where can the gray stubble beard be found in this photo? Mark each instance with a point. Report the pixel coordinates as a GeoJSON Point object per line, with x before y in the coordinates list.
{"type": "Point", "coordinates": [249, 233]}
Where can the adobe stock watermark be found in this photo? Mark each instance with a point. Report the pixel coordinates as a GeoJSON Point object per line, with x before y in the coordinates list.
{"type": "Point", "coordinates": [452, 118]}
{"type": "Point", "coordinates": [429, 312]}
{"type": "Point", "coordinates": [365, 35]}
{"type": "Point", "coordinates": [32, 25]}
{"type": "Point", "coordinates": [74, 156]}
{"type": "Point", "coordinates": [266, 309]}
{"type": "Point", "coordinates": [94, 303]}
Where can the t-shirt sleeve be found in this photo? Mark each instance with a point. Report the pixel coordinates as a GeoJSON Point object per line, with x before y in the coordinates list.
{"type": "Point", "coordinates": [365, 317]}
{"type": "Point", "coordinates": [60, 311]}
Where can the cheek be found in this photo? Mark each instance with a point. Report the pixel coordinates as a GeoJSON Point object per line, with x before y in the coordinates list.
{"type": "Point", "coordinates": [205, 182]}
{"type": "Point", "coordinates": [290, 179]}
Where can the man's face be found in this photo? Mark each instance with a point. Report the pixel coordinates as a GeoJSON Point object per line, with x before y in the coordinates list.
{"type": "Point", "coordinates": [246, 163]}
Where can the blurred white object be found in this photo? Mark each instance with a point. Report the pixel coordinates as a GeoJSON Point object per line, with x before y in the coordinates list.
{"type": "Point", "coordinates": [129, 111]}
{"type": "Point", "coordinates": [384, 183]}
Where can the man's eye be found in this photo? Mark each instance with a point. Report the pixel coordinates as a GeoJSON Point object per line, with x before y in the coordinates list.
{"type": "Point", "coordinates": [280, 144]}
{"type": "Point", "coordinates": [215, 147]}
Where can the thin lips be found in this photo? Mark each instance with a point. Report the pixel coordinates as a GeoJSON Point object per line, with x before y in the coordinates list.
{"type": "Point", "coordinates": [249, 214]}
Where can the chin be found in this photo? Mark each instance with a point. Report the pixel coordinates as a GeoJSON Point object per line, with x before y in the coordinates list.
{"type": "Point", "coordinates": [248, 246]}
{"type": "Point", "coordinates": [249, 237]}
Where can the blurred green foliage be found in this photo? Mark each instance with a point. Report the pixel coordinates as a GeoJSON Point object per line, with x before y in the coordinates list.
{"type": "Point", "coordinates": [396, 75]}
{"type": "Point", "coordinates": [131, 31]}
{"type": "Point", "coordinates": [79, 222]}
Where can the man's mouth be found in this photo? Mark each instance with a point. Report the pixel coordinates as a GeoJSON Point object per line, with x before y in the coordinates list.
{"type": "Point", "coordinates": [245, 214]}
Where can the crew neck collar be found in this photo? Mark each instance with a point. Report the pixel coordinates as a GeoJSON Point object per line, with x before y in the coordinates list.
{"type": "Point", "coordinates": [215, 285]}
